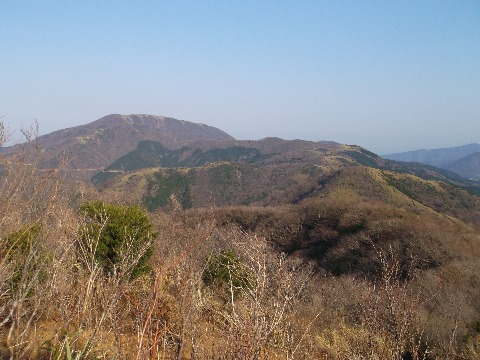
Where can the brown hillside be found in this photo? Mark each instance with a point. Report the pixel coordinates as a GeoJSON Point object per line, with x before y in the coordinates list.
{"type": "Point", "coordinates": [289, 178]}
{"type": "Point", "coordinates": [91, 147]}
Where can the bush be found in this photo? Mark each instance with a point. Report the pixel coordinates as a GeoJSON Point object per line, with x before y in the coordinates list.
{"type": "Point", "coordinates": [28, 262]}
{"type": "Point", "coordinates": [226, 268]}
{"type": "Point", "coordinates": [120, 237]}
{"type": "Point", "coordinates": [19, 242]}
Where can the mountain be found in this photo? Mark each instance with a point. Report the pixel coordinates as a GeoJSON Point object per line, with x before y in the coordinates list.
{"type": "Point", "coordinates": [159, 161]}
{"type": "Point", "coordinates": [463, 160]}
{"type": "Point", "coordinates": [91, 147]}
{"type": "Point", "coordinates": [436, 157]}
{"type": "Point", "coordinates": [273, 172]}
{"type": "Point", "coordinates": [268, 151]}
{"type": "Point", "coordinates": [468, 166]}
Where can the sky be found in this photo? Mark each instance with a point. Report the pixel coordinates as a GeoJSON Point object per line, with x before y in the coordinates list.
{"type": "Point", "coordinates": [390, 76]}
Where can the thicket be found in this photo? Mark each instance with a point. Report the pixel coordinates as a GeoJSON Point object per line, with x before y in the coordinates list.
{"type": "Point", "coordinates": [226, 269]}
{"type": "Point", "coordinates": [115, 234]}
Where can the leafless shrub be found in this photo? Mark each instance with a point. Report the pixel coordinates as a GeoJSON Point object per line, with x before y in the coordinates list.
{"type": "Point", "coordinates": [383, 321]}
{"type": "Point", "coordinates": [394, 311]}
{"type": "Point", "coordinates": [44, 290]}
{"type": "Point", "coordinates": [30, 204]}
{"type": "Point", "coordinates": [255, 319]}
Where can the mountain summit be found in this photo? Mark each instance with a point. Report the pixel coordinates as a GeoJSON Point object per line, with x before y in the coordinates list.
{"type": "Point", "coordinates": [91, 147]}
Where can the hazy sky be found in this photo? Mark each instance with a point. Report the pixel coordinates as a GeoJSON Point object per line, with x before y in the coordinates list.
{"type": "Point", "coordinates": [387, 75]}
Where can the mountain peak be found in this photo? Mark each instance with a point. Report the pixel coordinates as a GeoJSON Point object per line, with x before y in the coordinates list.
{"type": "Point", "coordinates": [95, 145]}
{"type": "Point", "coordinates": [180, 129]}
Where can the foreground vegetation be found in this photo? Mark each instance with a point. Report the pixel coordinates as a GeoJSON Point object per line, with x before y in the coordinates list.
{"type": "Point", "coordinates": [341, 276]}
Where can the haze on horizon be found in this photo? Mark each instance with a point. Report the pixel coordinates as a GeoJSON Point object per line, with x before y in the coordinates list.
{"type": "Point", "coordinates": [389, 76]}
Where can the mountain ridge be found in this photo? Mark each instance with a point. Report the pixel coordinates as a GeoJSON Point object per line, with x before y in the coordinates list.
{"type": "Point", "coordinates": [117, 144]}
{"type": "Point", "coordinates": [463, 160]}
{"type": "Point", "coordinates": [435, 157]}
{"type": "Point", "coordinates": [468, 166]}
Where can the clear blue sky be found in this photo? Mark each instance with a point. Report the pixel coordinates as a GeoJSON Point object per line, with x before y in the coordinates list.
{"type": "Point", "coordinates": [387, 75]}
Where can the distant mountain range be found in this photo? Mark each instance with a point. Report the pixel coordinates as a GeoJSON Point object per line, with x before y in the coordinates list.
{"type": "Point", "coordinates": [463, 160]}
{"type": "Point", "coordinates": [162, 162]}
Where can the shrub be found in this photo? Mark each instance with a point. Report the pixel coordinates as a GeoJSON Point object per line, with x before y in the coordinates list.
{"type": "Point", "coordinates": [19, 242]}
{"type": "Point", "coordinates": [121, 237]}
{"type": "Point", "coordinates": [18, 249]}
{"type": "Point", "coordinates": [226, 268]}
{"type": "Point", "coordinates": [476, 326]}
